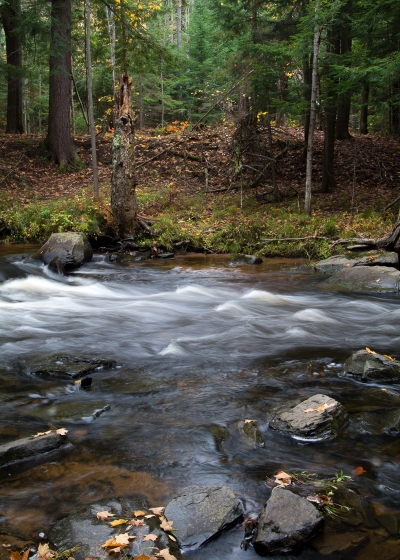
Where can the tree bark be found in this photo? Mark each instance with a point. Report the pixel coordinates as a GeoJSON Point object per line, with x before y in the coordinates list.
{"type": "Point", "coordinates": [364, 108]}
{"type": "Point", "coordinates": [89, 79]}
{"type": "Point", "coordinates": [313, 104]}
{"type": "Point", "coordinates": [123, 180]}
{"type": "Point", "coordinates": [59, 139]}
{"type": "Point", "coordinates": [343, 115]}
{"type": "Point", "coordinates": [10, 15]}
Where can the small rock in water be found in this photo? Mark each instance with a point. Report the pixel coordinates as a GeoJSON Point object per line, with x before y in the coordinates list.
{"type": "Point", "coordinates": [201, 513]}
{"type": "Point", "coordinates": [285, 523]}
{"type": "Point", "coordinates": [317, 418]}
{"type": "Point", "coordinates": [366, 365]}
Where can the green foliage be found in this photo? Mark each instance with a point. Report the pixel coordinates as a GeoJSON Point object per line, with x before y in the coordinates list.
{"type": "Point", "coordinates": [38, 220]}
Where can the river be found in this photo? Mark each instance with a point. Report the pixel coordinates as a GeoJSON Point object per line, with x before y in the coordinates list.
{"type": "Point", "coordinates": [201, 343]}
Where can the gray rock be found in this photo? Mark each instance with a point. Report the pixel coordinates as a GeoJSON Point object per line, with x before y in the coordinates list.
{"type": "Point", "coordinates": [370, 366]}
{"type": "Point", "coordinates": [83, 530]}
{"type": "Point", "coordinates": [67, 365]}
{"type": "Point", "coordinates": [71, 248]}
{"type": "Point", "coordinates": [382, 279]}
{"type": "Point", "coordinates": [334, 264]}
{"type": "Point", "coordinates": [378, 423]}
{"type": "Point", "coordinates": [26, 448]}
{"type": "Point", "coordinates": [250, 430]}
{"type": "Point", "coordinates": [201, 513]}
{"type": "Point", "coordinates": [285, 523]}
{"type": "Point", "coordinates": [318, 418]}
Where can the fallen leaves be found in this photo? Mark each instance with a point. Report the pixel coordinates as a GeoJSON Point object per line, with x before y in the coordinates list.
{"type": "Point", "coordinates": [320, 499]}
{"type": "Point", "coordinates": [359, 471]}
{"type": "Point", "coordinates": [136, 523]}
{"type": "Point", "coordinates": [59, 431]}
{"type": "Point", "coordinates": [104, 515]}
{"type": "Point", "coordinates": [139, 513]}
{"type": "Point", "coordinates": [370, 351]}
{"type": "Point", "coordinates": [320, 408]}
{"type": "Point", "coordinates": [283, 479]}
{"type": "Point", "coordinates": [157, 510]}
{"type": "Point", "coordinates": [165, 553]}
{"type": "Point", "coordinates": [117, 522]}
{"type": "Point", "coordinates": [44, 551]}
{"type": "Point", "coordinates": [165, 524]}
{"type": "Point", "coordinates": [14, 555]}
{"type": "Point", "coordinates": [121, 540]}
{"type": "Point", "coordinates": [150, 537]}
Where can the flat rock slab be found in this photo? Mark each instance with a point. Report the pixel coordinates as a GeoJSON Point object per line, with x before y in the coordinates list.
{"type": "Point", "coordinates": [318, 418]}
{"type": "Point", "coordinates": [71, 249]}
{"type": "Point", "coordinates": [336, 263]}
{"type": "Point", "coordinates": [201, 513]}
{"type": "Point", "coordinates": [26, 448]}
{"type": "Point", "coordinates": [372, 367]}
{"type": "Point", "coordinates": [67, 365]}
{"type": "Point", "coordinates": [285, 523]}
{"type": "Point", "coordinates": [84, 530]}
{"type": "Point", "coordinates": [381, 279]}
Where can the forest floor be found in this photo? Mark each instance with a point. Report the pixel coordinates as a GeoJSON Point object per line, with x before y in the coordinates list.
{"type": "Point", "coordinates": [196, 179]}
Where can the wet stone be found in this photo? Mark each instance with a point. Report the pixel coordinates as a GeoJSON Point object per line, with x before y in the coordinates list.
{"type": "Point", "coordinates": [370, 366]}
{"type": "Point", "coordinates": [26, 448]}
{"type": "Point", "coordinates": [390, 522]}
{"type": "Point", "coordinates": [67, 365]}
{"type": "Point", "coordinates": [286, 522]}
{"type": "Point", "coordinates": [82, 529]}
{"type": "Point", "coordinates": [201, 513]}
{"type": "Point", "coordinates": [381, 279]}
{"type": "Point", "coordinates": [360, 511]}
{"type": "Point", "coordinates": [70, 249]}
{"type": "Point", "coordinates": [378, 423]}
{"type": "Point", "coordinates": [317, 418]}
{"type": "Point", "coordinates": [250, 430]}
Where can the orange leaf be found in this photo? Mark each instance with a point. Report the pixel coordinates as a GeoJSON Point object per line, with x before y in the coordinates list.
{"type": "Point", "coordinates": [139, 513]}
{"type": "Point", "coordinates": [359, 470]}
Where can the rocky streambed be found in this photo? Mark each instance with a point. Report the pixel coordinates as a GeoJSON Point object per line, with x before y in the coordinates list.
{"type": "Point", "coordinates": [260, 410]}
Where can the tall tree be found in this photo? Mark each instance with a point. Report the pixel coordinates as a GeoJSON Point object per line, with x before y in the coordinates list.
{"type": "Point", "coordinates": [89, 78]}
{"type": "Point", "coordinates": [11, 17]}
{"type": "Point", "coordinates": [59, 139]}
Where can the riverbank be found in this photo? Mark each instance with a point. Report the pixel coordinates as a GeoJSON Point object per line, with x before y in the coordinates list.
{"type": "Point", "coordinates": [202, 208]}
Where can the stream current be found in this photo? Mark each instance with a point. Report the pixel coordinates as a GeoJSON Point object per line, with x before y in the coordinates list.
{"type": "Point", "coordinates": [201, 344]}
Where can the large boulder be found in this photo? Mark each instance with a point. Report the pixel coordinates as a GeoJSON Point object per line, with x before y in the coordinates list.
{"type": "Point", "coordinates": [201, 513]}
{"type": "Point", "coordinates": [367, 366]}
{"type": "Point", "coordinates": [67, 250]}
{"type": "Point", "coordinates": [339, 262]}
{"type": "Point", "coordinates": [285, 523]}
{"type": "Point", "coordinates": [317, 418]}
{"type": "Point", "coordinates": [382, 279]}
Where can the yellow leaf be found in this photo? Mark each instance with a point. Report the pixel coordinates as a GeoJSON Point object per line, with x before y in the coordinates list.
{"type": "Point", "coordinates": [157, 510]}
{"type": "Point", "coordinates": [165, 553]}
{"type": "Point", "coordinates": [62, 431]}
{"type": "Point", "coordinates": [117, 522]}
{"type": "Point", "coordinates": [150, 537]}
{"type": "Point", "coordinates": [139, 513]}
{"type": "Point", "coordinates": [370, 351]}
{"type": "Point", "coordinates": [389, 357]}
{"type": "Point", "coordinates": [325, 407]}
{"type": "Point", "coordinates": [42, 433]}
{"type": "Point", "coordinates": [283, 478]}
{"type": "Point", "coordinates": [166, 525]}
{"type": "Point", "coordinates": [110, 542]}
{"type": "Point", "coordinates": [104, 515]}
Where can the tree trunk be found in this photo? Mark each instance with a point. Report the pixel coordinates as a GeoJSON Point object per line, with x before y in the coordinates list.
{"type": "Point", "coordinates": [343, 116]}
{"type": "Point", "coordinates": [10, 15]}
{"type": "Point", "coordinates": [395, 108]}
{"type": "Point", "coordinates": [179, 25]}
{"type": "Point", "coordinates": [59, 139]}
{"type": "Point", "coordinates": [123, 180]}
{"type": "Point", "coordinates": [89, 79]}
{"type": "Point", "coordinates": [307, 72]}
{"type": "Point", "coordinates": [364, 108]}
{"type": "Point", "coordinates": [313, 104]}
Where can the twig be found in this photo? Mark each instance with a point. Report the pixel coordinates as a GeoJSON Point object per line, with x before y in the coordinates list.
{"type": "Point", "coordinates": [392, 203]}
{"type": "Point", "coordinates": [295, 238]}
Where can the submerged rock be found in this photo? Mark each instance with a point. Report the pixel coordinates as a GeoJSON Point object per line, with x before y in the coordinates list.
{"type": "Point", "coordinates": [340, 545]}
{"type": "Point", "coordinates": [250, 430]}
{"type": "Point", "coordinates": [370, 366]}
{"type": "Point", "coordinates": [29, 447]}
{"type": "Point", "coordinates": [381, 279]}
{"type": "Point", "coordinates": [285, 523]}
{"type": "Point", "coordinates": [84, 530]}
{"type": "Point", "coordinates": [201, 513]}
{"type": "Point", "coordinates": [67, 365]}
{"type": "Point", "coordinates": [378, 423]}
{"type": "Point", "coordinates": [317, 418]}
{"type": "Point", "coordinates": [66, 250]}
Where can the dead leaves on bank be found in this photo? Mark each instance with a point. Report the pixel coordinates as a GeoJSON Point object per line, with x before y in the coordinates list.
{"type": "Point", "coordinates": [59, 431]}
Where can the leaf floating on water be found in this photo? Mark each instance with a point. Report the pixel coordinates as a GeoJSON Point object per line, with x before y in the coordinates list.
{"type": "Point", "coordinates": [283, 479]}
{"type": "Point", "coordinates": [150, 537]}
{"type": "Point", "coordinates": [14, 555]}
{"type": "Point", "coordinates": [157, 510]}
{"type": "Point", "coordinates": [117, 522]}
{"type": "Point", "coordinates": [139, 513]}
{"type": "Point", "coordinates": [360, 470]}
{"type": "Point", "coordinates": [104, 515]}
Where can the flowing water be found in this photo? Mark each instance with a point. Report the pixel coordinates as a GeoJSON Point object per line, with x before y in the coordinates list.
{"type": "Point", "coordinates": [201, 344]}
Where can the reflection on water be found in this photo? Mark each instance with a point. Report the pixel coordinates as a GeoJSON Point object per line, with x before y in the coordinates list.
{"type": "Point", "coordinates": [200, 344]}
